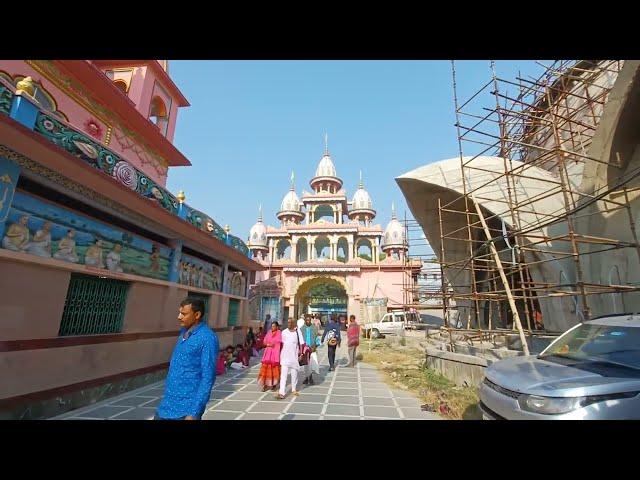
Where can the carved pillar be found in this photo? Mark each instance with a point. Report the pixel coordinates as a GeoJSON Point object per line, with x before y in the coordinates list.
{"type": "Point", "coordinates": [294, 248]}
{"type": "Point", "coordinates": [9, 172]}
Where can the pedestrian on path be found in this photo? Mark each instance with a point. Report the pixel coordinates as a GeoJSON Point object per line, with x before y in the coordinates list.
{"type": "Point", "coordinates": [353, 340]}
{"type": "Point", "coordinates": [292, 341]}
{"type": "Point", "coordinates": [269, 375]}
{"type": "Point", "coordinates": [332, 333]}
{"type": "Point", "coordinates": [192, 369]}
{"type": "Point", "coordinates": [267, 323]}
{"type": "Point", "coordinates": [310, 334]}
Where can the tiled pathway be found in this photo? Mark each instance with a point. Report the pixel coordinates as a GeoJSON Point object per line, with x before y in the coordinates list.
{"type": "Point", "coordinates": [346, 394]}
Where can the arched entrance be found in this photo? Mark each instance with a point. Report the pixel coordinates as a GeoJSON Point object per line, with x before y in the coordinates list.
{"type": "Point", "coordinates": [324, 295]}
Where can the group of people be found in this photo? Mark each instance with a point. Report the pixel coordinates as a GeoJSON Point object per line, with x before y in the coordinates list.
{"type": "Point", "coordinates": [238, 357]}
{"type": "Point", "coordinates": [294, 350]}
{"type": "Point", "coordinates": [196, 359]}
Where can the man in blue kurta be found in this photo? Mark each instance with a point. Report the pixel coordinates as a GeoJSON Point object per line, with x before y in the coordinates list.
{"type": "Point", "coordinates": [192, 370]}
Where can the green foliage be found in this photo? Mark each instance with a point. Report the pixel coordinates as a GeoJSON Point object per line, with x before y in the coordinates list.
{"type": "Point", "coordinates": [329, 289]}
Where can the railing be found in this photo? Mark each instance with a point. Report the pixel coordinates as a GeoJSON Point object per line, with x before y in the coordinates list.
{"type": "Point", "coordinates": [108, 162]}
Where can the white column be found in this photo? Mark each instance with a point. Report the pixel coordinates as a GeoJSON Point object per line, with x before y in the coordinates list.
{"type": "Point", "coordinates": [293, 249]}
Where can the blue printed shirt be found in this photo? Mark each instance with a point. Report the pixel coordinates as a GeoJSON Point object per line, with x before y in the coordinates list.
{"type": "Point", "coordinates": [192, 373]}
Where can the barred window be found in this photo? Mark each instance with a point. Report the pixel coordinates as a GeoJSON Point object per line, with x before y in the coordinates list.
{"type": "Point", "coordinates": [234, 307]}
{"type": "Point", "coordinates": [93, 306]}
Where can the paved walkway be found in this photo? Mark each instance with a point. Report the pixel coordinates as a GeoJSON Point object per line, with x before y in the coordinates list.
{"type": "Point", "coordinates": [346, 394]}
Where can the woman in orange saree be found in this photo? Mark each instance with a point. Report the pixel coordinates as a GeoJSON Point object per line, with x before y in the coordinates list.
{"type": "Point", "coordinates": [269, 375]}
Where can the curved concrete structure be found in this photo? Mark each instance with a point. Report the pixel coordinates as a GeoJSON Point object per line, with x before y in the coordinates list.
{"type": "Point", "coordinates": [442, 180]}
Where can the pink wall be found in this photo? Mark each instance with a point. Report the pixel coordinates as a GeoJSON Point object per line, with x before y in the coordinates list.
{"type": "Point", "coordinates": [137, 86]}
{"type": "Point", "coordinates": [78, 116]}
{"type": "Point", "coordinates": [28, 371]}
{"type": "Point", "coordinates": [31, 300]}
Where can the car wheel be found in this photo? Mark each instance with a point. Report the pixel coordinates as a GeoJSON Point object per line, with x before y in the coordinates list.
{"type": "Point", "coordinates": [375, 333]}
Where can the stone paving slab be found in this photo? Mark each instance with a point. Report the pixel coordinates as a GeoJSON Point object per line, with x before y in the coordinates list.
{"type": "Point", "coordinates": [384, 412]}
{"type": "Point", "coordinates": [310, 408]}
{"type": "Point", "coordinates": [133, 401]}
{"type": "Point", "coordinates": [265, 407]}
{"type": "Point", "coordinates": [345, 394]}
{"type": "Point", "coordinates": [352, 410]}
{"type": "Point", "coordinates": [297, 416]}
{"type": "Point", "coordinates": [344, 400]}
{"type": "Point", "coordinates": [221, 415]}
{"type": "Point", "coordinates": [260, 416]}
{"type": "Point", "coordinates": [379, 401]}
{"type": "Point", "coordinates": [143, 413]}
{"type": "Point", "coordinates": [310, 397]}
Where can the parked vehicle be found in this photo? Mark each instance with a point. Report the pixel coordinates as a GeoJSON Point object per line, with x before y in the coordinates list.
{"type": "Point", "coordinates": [391, 323]}
{"type": "Point", "coordinates": [591, 372]}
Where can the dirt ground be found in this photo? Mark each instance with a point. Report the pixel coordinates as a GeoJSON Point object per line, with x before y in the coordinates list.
{"type": "Point", "coordinates": [403, 362]}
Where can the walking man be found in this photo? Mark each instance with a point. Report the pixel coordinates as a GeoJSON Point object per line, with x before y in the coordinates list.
{"type": "Point", "coordinates": [353, 339]}
{"type": "Point", "coordinates": [192, 369]}
{"type": "Point", "coordinates": [310, 335]}
{"type": "Point", "coordinates": [292, 343]}
{"type": "Point", "coordinates": [332, 333]}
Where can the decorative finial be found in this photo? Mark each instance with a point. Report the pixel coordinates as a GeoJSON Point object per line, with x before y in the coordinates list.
{"type": "Point", "coordinates": [293, 178]}
{"type": "Point", "coordinates": [26, 85]}
{"type": "Point", "coordinates": [181, 196]}
{"type": "Point", "coordinates": [326, 143]}
{"type": "Point", "coordinates": [227, 229]}
{"type": "Point", "coordinates": [393, 211]}
{"type": "Point", "coordinates": [361, 184]}
{"type": "Point", "coordinates": [260, 213]}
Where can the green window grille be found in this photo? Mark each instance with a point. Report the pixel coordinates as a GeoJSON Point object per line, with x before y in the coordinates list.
{"type": "Point", "coordinates": [205, 299]}
{"type": "Point", "coordinates": [234, 307]}
{"type": "Point", "coordinates": [93, 306]}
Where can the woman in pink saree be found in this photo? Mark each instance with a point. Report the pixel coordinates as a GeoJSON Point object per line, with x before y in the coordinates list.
{"type": "Point", "coordinates": [269, 375]}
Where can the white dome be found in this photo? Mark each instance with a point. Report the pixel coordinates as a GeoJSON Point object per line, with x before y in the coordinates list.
{"type": "Point", "coordinates": [361, 200]}
{"type": "Point", "coordinates": [394, 234]}
{"type": "Point", "coordinates": [326, 168]}
{"type": "Point", "coordinates": [290, 202]}
{"type": "Point", "coordinates": [258, 235]}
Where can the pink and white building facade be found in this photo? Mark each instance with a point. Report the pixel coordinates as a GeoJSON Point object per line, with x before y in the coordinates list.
{"type": "Point", "coordinates": [323, 237]}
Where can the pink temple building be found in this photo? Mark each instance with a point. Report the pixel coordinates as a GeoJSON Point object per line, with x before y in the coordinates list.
{"type": "Point", "coordinates": [95, 253]}
{"type": "Point", "coordinates": [326, 255]}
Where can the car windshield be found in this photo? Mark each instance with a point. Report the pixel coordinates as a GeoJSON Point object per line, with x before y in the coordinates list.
{"type": "Point", "coordinates": [599, 343]}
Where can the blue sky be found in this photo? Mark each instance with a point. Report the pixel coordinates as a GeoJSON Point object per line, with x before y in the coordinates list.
{"type": "Point", "coordinates": [251, 122]}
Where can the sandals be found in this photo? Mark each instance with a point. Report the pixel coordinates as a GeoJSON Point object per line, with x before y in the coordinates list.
{"type": "Point", "coordinates": [279, 397]}
{"type": "Point", "coordinates": [296, 393]}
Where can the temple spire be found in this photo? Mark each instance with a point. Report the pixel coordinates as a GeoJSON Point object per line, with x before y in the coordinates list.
{"type": "Point", "coordinates": [293, 178]}
{"type": "Point", "coordinates": [393, 211]}
{"type": "Point", "coordinates": [361, 185]}
{"type": "Point", "coordinates": [260, 213]}
{"type": "Point", "coordinates": [326, 143]}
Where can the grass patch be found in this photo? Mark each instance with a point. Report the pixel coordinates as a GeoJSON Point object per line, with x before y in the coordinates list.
{"type": "Point", "coordinates": [404, 367]}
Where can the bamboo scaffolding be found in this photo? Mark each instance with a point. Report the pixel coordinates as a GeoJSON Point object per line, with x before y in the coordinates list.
{"type": "Point", "coordinates": [549, 124]}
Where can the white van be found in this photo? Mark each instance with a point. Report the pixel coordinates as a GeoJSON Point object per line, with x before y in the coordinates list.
{"type": "Point", "coordinates": [391, 323]}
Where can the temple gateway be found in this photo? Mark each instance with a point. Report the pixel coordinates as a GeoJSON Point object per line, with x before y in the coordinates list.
{"type": "Point", "coordinates": [327, 256]}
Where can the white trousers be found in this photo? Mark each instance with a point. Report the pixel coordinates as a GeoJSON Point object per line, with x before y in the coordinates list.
{"type": "Point", "coordinates": [284, 372]}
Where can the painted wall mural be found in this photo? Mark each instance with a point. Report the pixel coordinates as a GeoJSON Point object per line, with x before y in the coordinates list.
{"type": "Point", "coordinates": [237, 283]}
{"type": "Point", "coordinates": [45, 229]}
{"type": "Point", "coordinates": [198, 273]}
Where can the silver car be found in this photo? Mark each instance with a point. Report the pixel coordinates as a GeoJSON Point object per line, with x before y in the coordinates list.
{"type": "Point", "coordinates": [591, 372]}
